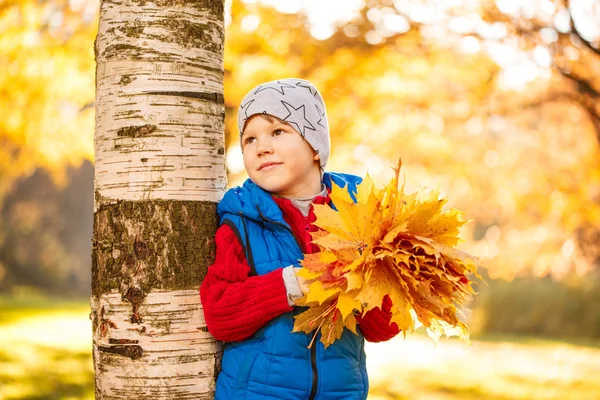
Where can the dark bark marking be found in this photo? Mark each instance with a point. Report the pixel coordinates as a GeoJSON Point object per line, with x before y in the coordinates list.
{"type": "Point", "coordinates": [122, 50]}
{"type": "Point", "coordinates": [136, 297]}
{"type": "Point", "coordinates": [210, 96]}
{"type": "Point", "coordinates": [136, 131]}
{"type": "Point", "coordinates": [214, 7]}
{"type": "Point", "coordinates": [105, 323]}
{"type": "Point", "coordinates": [122, 341]}
{"type": "Point", "coordinates": [134, 351]}
{"type": "Point", "coordinates": [140, 249]}
{"type": "Point", "coordinates": [126, 80]}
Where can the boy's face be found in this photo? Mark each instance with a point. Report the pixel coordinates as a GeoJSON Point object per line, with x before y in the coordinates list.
{"type": "Point", "coordinates": [278, 159]}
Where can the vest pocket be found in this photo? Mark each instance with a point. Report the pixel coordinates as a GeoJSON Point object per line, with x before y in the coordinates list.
{"type": "Point", "coordinates": [243, 376]}
{"type": "Point", "coordinates": [286, 377]}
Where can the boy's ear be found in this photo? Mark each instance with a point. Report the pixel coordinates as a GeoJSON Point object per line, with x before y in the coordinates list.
{"type": "Point", "coordinates": [316, 157]}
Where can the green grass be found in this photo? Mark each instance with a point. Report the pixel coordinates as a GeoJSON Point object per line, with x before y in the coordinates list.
{"type": "Point", "coordinates": [36, 372]}
{"type": "Point", "coordinates": [45, 353]}
{"type": "Point", "coordinates": [505, 368]}
{"type": "Point", "coordinates": [45, 349]}
{"type": "Point", "coordinates": [536, 340]}
{"type": "Point", "coordinates": [29, 305]}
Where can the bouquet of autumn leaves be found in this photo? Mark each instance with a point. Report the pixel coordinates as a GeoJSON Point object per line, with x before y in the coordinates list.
{"type": "Point", "coordinates": [387, 243]}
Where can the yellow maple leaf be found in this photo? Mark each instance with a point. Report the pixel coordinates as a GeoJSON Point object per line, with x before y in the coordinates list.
{"type": "Point", "coordinates": [347, 303]}
{"type": "Point", "coordinates": [319, 293]}
{"type": "Point", "coordinates": [387, 243]}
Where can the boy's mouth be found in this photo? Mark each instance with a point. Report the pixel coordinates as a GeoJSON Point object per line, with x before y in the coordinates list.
{"type": "Point", "coordinates": [267, 166]}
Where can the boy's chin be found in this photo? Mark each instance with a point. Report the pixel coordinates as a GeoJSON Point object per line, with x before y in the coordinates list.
{"type": "Point", "coordinates": [274, 188]}
{"type": "Point", "coordinates": [267, 186]}
{"type": "Point", "coordinates": [271, 188]}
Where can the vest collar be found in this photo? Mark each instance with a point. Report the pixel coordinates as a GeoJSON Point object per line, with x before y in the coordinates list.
{"type": "Point", "coordinates": [255, 203]}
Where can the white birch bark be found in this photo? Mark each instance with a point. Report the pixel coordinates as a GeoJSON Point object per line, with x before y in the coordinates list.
{"type": "Point", "coordinates": [160, 170]}
{"type": "Point", "coordinates": [155, 137]}
{"type": "Point", "coordinates": [170, 355]}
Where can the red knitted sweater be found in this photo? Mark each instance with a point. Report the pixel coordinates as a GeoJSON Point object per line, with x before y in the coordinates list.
{"type": "Point", "coordinates": [237, 305]}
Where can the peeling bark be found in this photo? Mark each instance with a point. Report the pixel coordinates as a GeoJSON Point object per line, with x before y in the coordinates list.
{"type": "Point", "coordinates": [160, 170]}
{"type": "Point", "coordinates": [138, 246]}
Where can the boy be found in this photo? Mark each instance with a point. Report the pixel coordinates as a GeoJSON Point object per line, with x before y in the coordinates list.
{"type": "Point", "coordinates": [248, 294]}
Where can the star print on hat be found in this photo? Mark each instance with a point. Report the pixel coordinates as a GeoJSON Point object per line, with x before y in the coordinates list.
{"type": "Point", "coordinates": [295, 101]}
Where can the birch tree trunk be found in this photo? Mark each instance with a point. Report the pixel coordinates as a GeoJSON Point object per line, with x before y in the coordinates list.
{"type": "Point", "coordinates": [160, 170]}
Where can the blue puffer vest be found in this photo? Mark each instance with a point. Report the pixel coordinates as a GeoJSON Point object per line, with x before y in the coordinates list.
{"type": "Point", "coordinates": [275, 363]}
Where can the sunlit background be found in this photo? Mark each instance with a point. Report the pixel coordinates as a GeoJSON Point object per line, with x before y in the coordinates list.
{"type": "Point", "coordinates": [497, 103]}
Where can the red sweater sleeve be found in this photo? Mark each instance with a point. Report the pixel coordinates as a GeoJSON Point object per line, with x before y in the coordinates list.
{"type": "Point", "coordinates": [236, 305]}
{"type": "Point", "coordinates": [376, 325]}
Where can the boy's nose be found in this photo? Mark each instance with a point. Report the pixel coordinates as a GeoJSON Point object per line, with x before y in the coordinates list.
{"type": "Point", "coordinates": [264, 147]}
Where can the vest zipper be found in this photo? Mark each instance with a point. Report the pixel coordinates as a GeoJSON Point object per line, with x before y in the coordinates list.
{"type": "Point", "coordinates": [313, 349]}
{"type": "Point", "coordinates": [313, 362]}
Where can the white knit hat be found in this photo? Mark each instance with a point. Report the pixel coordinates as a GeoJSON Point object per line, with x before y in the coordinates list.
{"type": "Point", "coordinates": [295, 101]}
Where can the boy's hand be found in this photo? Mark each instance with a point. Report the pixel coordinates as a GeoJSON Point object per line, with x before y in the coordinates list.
{"type": "Point", "coordinates": [304, 283]}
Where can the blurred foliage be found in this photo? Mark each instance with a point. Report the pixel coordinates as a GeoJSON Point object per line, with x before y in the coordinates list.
{"type": "Point", "coordinates": [444, 95]}
{"type": "Point", "coordinates": [494, 101]}
{"type": "Point", "coordinates": [46, 86]}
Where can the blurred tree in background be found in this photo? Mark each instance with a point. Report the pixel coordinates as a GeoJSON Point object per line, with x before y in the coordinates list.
{"type": "Point", "coordinates": [494, 101]}
{"type": "Point", "coordinates": [46, 231]}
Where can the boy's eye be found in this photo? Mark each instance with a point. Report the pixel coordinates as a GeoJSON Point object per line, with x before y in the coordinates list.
{"type": "Point", "coordinates": [249, 140]}
{"type": "Point", "coordinates": [278, 132]}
